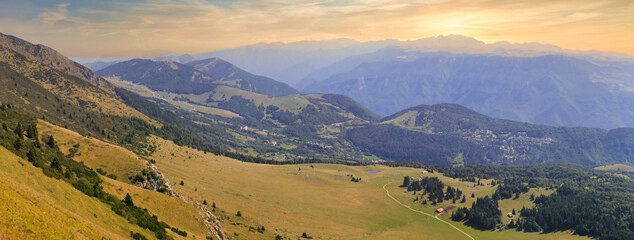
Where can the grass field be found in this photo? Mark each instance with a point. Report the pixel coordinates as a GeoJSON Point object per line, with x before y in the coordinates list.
{"type": "Point", "coordinates": [34, 206]}
{"type": "Point", "coordinates": [320, 201]}
{"type": "Point", "coordinates": [616, 167]}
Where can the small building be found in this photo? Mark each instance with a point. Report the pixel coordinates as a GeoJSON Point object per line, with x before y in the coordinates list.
{"type": "Point", "coordinates": [510, 215]}
{"type": "Point", "coordinates": [440, 210]}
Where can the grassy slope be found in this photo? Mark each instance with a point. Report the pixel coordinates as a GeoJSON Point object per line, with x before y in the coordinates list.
{"type": "Point", "coordinates": [169, 97]}
{"type": "Point", "coordinates": [321, 201]}
{"type": "Point", "coordinates": [124, 163]}
{"type": "Point", "coordinates": [172, 210]}
{"type": "Point", "coordinates": [95, 153]}
{"type": "Point", "coordinates": [35, 206]}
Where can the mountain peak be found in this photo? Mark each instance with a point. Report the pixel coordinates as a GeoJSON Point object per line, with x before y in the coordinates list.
{"type": "Point", "coordinates": [53, 59]}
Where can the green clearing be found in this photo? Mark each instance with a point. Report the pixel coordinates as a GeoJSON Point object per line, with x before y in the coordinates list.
{"type": "Point", "coordinates": [616, 167]}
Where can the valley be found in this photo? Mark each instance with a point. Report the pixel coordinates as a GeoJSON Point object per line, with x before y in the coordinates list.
{"type": "Point", "coordinates": [321, 201]}
{"type": "Point", "coordinates": [206, 150]}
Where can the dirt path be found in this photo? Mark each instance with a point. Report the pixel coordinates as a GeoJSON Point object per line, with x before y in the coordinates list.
{"type": "Point", "coordinates": [421, 212]}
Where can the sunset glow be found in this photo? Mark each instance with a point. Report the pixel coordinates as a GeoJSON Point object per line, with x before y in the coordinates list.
{"type": "Point", "coordinates": [155, 27]}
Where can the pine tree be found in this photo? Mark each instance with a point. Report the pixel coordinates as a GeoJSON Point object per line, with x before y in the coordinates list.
{"type": "Point", "coordinates": [239, 214]}
{"type": "Point", "coordinates": [128, 200]}
{"type": "Point", "coordinates": [18, 144]}
{"type": "Point", "coordinates": [55, 164]}
{"type": "Point", "coordinates": [406, 180]}
{"type": "Point", "coordinates": [51, 142]}
{"type": "Point", "coordinates": [18, 130]}
{"type": "Point", "coordinates": [204, 202]}
{"type": "Point", "coordinates": [33, 156]}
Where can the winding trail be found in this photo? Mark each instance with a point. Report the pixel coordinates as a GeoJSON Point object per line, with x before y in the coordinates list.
{"type": "Point", "coordinates": [421, 212]}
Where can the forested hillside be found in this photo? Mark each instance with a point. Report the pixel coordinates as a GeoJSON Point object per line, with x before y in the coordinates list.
{"type": "Point", "coordinates": [449, 134]}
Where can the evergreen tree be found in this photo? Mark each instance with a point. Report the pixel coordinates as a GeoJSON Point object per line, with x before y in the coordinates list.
{"type": "Point", "coordinates": [55, 164]}
{"type": "Point", "coordinates": [19, 131]}
{"type": "Point", "coordinates": [18, 144]}
{"type": "Point", "coordinates": [31, 132]}
{"type": "Point", "coordinates": [33, 156]}
{"type": "Point", "coordinates": [128, 200]}
{"type": "Point", "coordinates": [51, 142]}
{"type": "Point", "coordinates": [406, 181]}
{"type": "Point", "coordinates": [239, 214]}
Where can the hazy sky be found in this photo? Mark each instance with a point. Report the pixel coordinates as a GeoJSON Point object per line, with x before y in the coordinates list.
{"type": "Point", "coordinates": [145, 28]}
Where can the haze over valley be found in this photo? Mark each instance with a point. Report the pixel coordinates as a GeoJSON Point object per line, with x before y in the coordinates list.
{"type": "Point", "coordinates": [316, 120]}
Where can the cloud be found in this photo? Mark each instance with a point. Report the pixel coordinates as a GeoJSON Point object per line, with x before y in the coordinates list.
{"type": "Point", "coordinates": [463, 26]}
{"type": "Point", "coordinates": [52, 16]}
{"type": "Point", "coordinates": [139, 28]}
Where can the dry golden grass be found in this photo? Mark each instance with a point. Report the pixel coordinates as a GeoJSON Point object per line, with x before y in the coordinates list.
{"type": "Point", "coordinates": [172, 210]}
{"type": "Point", "coordinates": [94, 152]}
{"type": "Point", "coordinates": [60, 85]}
{"type": "Point", "coordinates": [321, 201]}
{"type": "Point", "coordinates": [35, 206]}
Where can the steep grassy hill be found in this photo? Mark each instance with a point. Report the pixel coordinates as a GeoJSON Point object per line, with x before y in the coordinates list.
{"type": "Point", "coordinates": [36, 206]}
{"type": "Point", "coordinates": [51, 58]}
{"type": "Point", "coordinates": [64, 99]}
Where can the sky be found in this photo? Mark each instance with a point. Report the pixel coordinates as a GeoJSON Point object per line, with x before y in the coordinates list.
{"type": "Point", "coordinates": [148, 28]}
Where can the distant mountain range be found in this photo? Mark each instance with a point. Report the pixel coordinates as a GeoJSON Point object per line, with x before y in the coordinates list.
{"type": "Point", "coordinates": [194, 78]}
{"type": "Point", "coordinates": [530, 82]}
{"type": "Point", "coordinates": [552, 89]}
{"type": "Point", "coordinates": [326, 127]}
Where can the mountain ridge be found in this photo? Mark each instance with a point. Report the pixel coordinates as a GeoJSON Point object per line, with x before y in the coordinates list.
{"type": "Point", "coordinates": [573, 92]}
{"type": "Point", "coordinates": [225, 71]}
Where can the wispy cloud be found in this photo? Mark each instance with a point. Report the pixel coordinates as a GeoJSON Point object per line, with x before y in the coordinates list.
{"type": "Point", "coordinates": [150, 27]}
{"type": "Point", "coordinates": [52, 16]}
{"type": "Point", "coordinates": [463, 26]}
